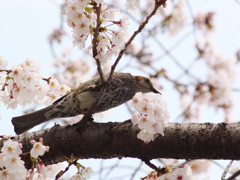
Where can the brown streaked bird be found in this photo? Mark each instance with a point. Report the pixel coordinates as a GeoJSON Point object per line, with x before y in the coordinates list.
{"type": "Point", "coordinates": [120, 89]}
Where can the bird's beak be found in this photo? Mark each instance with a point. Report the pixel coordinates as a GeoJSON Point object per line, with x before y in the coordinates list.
{"type": "Point", "coordinates": [155, 91]}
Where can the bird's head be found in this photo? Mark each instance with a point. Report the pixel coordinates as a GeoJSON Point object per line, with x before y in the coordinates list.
{"type": "Point", "coordinates": [144, 85]}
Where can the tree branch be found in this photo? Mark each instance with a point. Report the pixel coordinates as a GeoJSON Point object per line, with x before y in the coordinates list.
{"type": "Point", "coordinates": [111, 140]}
{"type": "Point", "coordinates": [95, 41]}
{"type": "Point", "coordinates": [158, 3]}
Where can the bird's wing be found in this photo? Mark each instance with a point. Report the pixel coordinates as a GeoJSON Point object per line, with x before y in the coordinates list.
{"type": "Point", "coordinates": [114, 98]}
{"type": "Point", "coordinates": [61, 98]}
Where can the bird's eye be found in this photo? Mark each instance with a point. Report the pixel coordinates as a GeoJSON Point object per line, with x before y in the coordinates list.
{"type": "Point", "coordinates": [147, 80]}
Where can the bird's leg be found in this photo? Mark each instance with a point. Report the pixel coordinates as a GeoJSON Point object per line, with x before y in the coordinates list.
{"type": "Point", "coordinates": [86, 118]}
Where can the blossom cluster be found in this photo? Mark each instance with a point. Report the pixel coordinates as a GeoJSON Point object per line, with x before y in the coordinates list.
{"type": "Point", "coordinates": [192, 111]}
{"type": "Point", "coordinates": [3, 74]}
{"type": "Point", "coordinates": [174, 20]}
{"type": "Point", "coordinates": [204, 21]}
{"type": "Point", "coordinates": [82, 174]}
{"type": "Point", "coordinates": [38, 148]}
{"type": "Point", "coordinates": [183, 173]}
{"type": "Point", "coordinates": [82, 18]}
{"type": "Point", "coordinates": [72, 72]}
{"type": "Point", "coordinates": [152, 117]}
{"type": "Point", "coordinates": [197, 166]}
{"type": "Point", "coordinates": [216, 89]}
{"type": "Point", "coordinates": [220, 77]}
{"type": "Point", "coordinates": [21, 85]}
{"type": "Point", "coordinates": [12, 167]}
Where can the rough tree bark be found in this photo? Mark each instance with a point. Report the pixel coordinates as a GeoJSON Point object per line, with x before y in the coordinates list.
{"type": "Point", "coordinates": [111, 140]}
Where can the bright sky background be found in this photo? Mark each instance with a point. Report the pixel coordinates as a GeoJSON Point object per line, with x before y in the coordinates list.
{"type": "Point", "coordinates": [26, 24]}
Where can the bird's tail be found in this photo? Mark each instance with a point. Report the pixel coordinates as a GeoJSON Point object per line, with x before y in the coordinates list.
{"type": "Point", "coordinates": [28, 121]}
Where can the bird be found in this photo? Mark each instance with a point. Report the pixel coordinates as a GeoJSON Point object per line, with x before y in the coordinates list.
{"type": "Point", "coordinates": [120, 89]}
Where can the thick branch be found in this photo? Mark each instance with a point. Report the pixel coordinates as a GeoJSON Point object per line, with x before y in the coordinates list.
{"type": "Point", "coordinates": [110, 140]}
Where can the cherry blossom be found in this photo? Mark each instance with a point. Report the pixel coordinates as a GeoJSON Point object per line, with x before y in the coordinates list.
{"type": "Point", "coordinates": [175, 20]}
{"type": "Point", "coordinates": [133, 7]}
{"type": "Point", "coordinates": [3, 74]}
{"type": "Point", "coordinates": [153, 115]}
{"type": "Point", "coordinates": [81, 17]}
{"type": "Point", "coordinates": [181, 173]}
{"type": "Point", "coordinates": [82, 174]}
{"type": "Point", "coordinates": [199, 166]}
{"type": "Point", "coordinates": [204, 21]}
{"type": "Point", "coordinates": [11, 148]}
{"type": "Point", "coordinates": [11, 165]}
{"type": "Point", "coordinates": [38, 149]}
{"type": "Point", "coordinates": [24, 86]}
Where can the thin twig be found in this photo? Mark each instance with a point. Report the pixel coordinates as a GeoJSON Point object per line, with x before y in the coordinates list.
{"type": "Point", "coordinates": [188, 107]}
{"type": "Point", "coordinates": [233, 177]}
{"type": "Point", "coordinates": [226, 170]}
{"type": "Point", "coordinates": [95, 42]}
{"type": "Point", "coordinates": [95, 53]}
{"type": "Point", "coordinates": [151, 165]}
{"type": "Point", "coordinates": [218, 165]}
{"type": "Point", "coordinates": [66, 169]}
{"type": "Point", "coordinates": [111, 168]}
{"type": "Point", "coordinates": [140, 28]}
{"type": "Point", "coordinates": [47, 79]}
{"type": "Point", "coordinates": [4, 70]}
{"type": "Point", "coordinates": [136, 170]}
{"type": "Point", "coordinates": [236, 174]}
{"type": "Point", "coordinates": [101, 170]}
